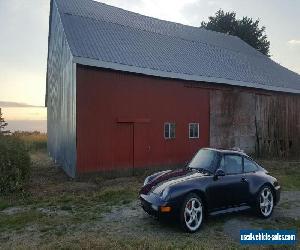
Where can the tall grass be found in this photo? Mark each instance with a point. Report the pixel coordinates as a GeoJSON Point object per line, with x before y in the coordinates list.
{"type": "Point", "coordinates": [34, 141]}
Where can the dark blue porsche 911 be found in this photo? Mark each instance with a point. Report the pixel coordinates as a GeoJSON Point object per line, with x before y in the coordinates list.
{"type": "Point", "coordinates": [214, 180]}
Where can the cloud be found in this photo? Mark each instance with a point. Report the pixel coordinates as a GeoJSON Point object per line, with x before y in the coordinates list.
{"type": "Point", "coordinates": [171, 10]}
{"type": "Point", "coordinates": [294, 42]}
{"type": "Point", "coordinates": [199, 10]}
{"type": "Point", "coordinates": [15, 105]}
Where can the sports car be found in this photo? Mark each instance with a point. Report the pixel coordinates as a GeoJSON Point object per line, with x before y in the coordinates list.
{"type": "Point", "coordinates": [214, 180]}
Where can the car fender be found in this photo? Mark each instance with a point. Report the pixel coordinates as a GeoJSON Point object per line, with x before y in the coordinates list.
{"type": "Point", "coordinates": [179, 191]}
{"type": "Point", "coordinates": [257, 183]}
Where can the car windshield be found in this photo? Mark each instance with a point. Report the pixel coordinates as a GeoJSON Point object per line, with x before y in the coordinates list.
{"type": "Point", "coordinates": [204, 160]}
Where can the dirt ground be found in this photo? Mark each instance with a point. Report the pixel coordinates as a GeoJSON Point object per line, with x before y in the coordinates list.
{"type": "Point", "coordinates": [57, 212]}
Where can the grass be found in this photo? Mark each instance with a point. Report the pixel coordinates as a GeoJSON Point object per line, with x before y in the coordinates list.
{"type": "Point", "coordinates": [286, 204]}
{"type": "Point", "coordinates": [282, 223]}
{"type": "Point", "coordinates": [3, 205]}
{"type": "Point", "coordinates": [52, 200]}
{"type": "Point", "coordinates": [92, 241]}
{"type": "Point", "coordinates": [108, 196]}
{"type": "Point", "coordinates": [48, 213]}
{"type": "Point", "coordinates": [34, 141]}
{"type": "Point", "coordinates": [287, 173]}
{"type": "Point", "coordinates": [80, 208]}
{"type": "Point", "coordinates": [19, 220]}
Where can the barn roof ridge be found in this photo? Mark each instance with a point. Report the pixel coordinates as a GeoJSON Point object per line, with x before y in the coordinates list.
{"type": "Point", "coordinates": [101, 35]}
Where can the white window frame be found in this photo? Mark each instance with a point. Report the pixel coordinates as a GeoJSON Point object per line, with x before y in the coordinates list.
{"type": "Point", "coordinates": [194, 137]}
{"type": "Point", "coordinates": [169, 128]}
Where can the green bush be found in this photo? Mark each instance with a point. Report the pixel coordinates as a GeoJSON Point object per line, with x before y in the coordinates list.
{"type": "Point", "coordinates": [14, 164]}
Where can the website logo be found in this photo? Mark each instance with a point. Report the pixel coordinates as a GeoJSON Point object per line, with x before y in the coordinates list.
{"type": "Point", "coordinates": [268, 237]}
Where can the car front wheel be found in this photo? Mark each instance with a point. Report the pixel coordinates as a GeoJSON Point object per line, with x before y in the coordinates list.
{"type": "Point", "coordinates": [192, 212]}
{"type": "Point", "coordinates": [265, 202]}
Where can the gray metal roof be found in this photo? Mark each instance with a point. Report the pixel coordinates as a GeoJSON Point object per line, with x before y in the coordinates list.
{"type": "Point", "coordinates": [104, 36]}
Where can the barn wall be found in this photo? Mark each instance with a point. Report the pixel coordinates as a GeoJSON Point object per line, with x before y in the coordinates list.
{"type": "Point", "coordinates": [61, 97]}
{"type": "Point", "coordinates": [278, 125]}
{"type": "Point", "coordinates": [120, 120]}
{"type": "Point", "coordinates": [232, 119]}
{"type": "Point", "coordinates": [265, 124]}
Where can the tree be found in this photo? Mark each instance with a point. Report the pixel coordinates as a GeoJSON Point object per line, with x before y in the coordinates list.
{"type": "Point", "coordinates": [3, 124]}
{"type": "Point", "coordinates": [246, 28]}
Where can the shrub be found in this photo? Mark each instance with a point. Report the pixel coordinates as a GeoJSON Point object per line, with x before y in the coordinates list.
{"type": "Point", "coordinates": [14, 164]}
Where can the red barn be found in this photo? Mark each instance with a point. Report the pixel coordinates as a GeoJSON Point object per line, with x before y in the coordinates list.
{"type": "Point", "coordinates": [126, 91]}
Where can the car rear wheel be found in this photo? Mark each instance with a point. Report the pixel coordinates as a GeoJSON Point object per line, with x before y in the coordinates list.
{"type": "Point", "coordinates": [191, 213]}
{"type": "Point", "coordinates": [265, 202]}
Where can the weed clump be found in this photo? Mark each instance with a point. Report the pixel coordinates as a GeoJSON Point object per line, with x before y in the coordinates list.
{"type": "Point", "coordinates": [14, 164]}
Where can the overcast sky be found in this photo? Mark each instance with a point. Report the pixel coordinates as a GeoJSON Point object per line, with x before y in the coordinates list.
{"type": "Point", "coordinates": [24, 34]}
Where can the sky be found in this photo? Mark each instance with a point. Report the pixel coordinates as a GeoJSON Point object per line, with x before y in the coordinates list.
{"type": "Point", "coordinates": [24, 35]}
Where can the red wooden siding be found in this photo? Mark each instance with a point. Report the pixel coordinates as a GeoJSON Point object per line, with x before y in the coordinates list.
{"type": "Point", "coordinates": [120, 120]}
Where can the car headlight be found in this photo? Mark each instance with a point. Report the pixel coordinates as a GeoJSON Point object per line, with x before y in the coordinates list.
{"type": "Point", "coordinates": [165, 193]}
{"type": "Point", "coordinates": [146, 181]}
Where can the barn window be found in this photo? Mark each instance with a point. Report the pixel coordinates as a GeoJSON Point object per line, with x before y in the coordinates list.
{"type": "Point", "coordinates": [169, 130]}
{"type": "Point", "coordinates": [194, 130]}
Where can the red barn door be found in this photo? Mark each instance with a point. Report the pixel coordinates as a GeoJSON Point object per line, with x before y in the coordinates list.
{"type": "Point", "coordinates": [123, 146]}
{"type": "Point", "coordinates": [131, 146]}
{"type": "Point", "coordinates": [142, 149]}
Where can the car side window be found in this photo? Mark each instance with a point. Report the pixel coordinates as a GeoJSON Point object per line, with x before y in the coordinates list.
{"type": "Point", "coordinates": [222, 164]}
{"type": "Point", "coordinates": [249, 166]}
{"type": "Point", "coordinates": [231, 164]}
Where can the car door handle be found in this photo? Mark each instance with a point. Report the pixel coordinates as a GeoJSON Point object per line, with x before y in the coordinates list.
{"type": "Point", "coordinates": [244, 179]}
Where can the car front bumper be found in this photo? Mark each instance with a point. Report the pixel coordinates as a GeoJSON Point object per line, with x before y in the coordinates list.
{"type": "Point", "coordinates": [277, 194]}
{"type": "Point", "coordinates": [153, 204]}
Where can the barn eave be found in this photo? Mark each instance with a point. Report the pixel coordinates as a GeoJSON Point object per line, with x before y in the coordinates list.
{"type": "Point", "coordinates": [180, 76]}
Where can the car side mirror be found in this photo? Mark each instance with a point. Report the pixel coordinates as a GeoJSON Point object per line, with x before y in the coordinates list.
{"type": "Point", "coordinates": [219, 172]}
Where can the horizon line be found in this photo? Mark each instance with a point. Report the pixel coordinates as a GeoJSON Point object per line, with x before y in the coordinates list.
{"type": "Point", "coordinates": [5, 104]}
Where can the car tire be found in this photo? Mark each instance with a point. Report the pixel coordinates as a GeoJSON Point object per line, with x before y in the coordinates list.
{"type": "Point", "coordinates": [265, 202]}
{"type": "Point", "coordinates": [192, 213]}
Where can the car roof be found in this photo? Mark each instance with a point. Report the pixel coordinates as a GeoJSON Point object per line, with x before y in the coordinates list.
{"type": "Point", "coordinates": [229, 151]}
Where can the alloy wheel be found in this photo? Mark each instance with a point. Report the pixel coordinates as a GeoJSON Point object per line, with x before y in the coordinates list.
{"type": "Point", "coordinates": [193, 214]}
{"type": "Point", "coordinates": [266, 202]}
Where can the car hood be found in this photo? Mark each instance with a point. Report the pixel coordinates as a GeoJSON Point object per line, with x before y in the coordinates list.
{"type": "Point", "coordinates": [170, 178]}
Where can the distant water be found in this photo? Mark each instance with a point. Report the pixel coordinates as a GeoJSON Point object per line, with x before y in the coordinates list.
{"type": "Point", "coordinates": [27, 125]}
